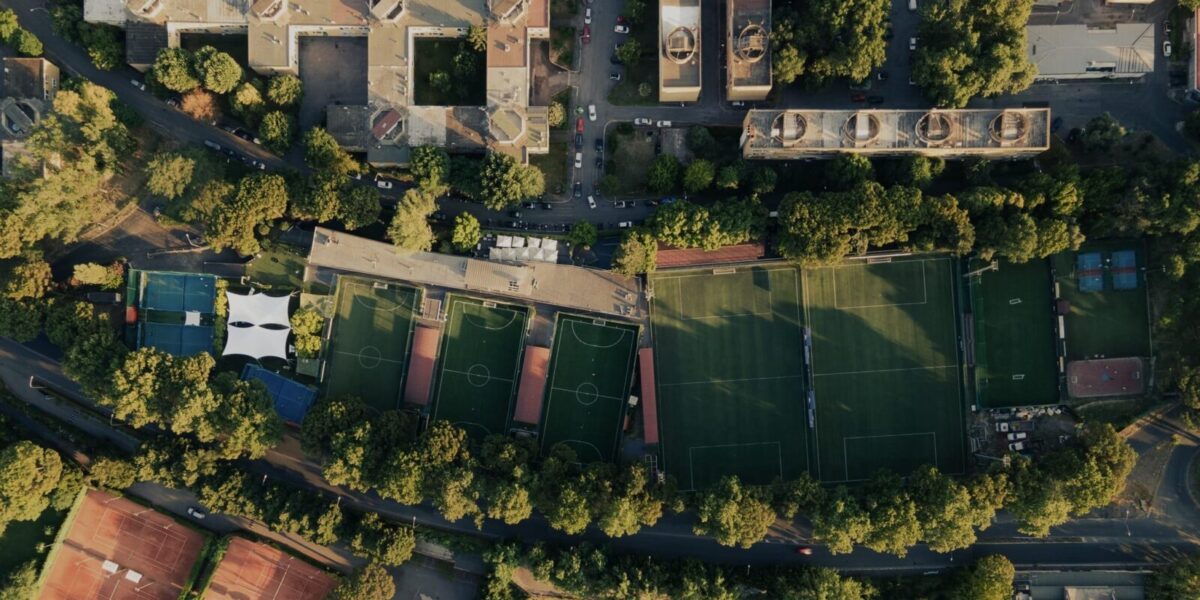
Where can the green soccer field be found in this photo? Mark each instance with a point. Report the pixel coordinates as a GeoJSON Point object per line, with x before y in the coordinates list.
{"type": "Point", "coordinates": [1015, 360]}
{"type": "Point", "coordinates": [479, 364]}
{"type": "Point", "coordinates": [886, 371]}
{"type": "Point", "coordinates": [590, 371]}
{"type": "Point", "coordinates": [729, 370]}
{"type": "Point", "coordinates": [372, 335]}
{"type": "Point", "coordinates": [1112, 323]}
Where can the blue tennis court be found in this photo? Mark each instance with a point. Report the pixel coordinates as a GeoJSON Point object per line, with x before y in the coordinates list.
{"type": "Point", "coordinates": [1089, 272]}
{"type": "Point", "coordinates": [175, 339]}
{"type": "Point", "coordinates": [291, 398]}
{"type": "Point", "coordinates": [1124, 270]}
{"type": "Point", "coordinates": [178, 292]}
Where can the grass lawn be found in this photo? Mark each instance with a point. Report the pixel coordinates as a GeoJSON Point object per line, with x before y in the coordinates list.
{"type": "Point", "coordinates": [554, 165]}
{"type": "Point", "coordinates": [480, 361]}
{"type": "Point", "coordinates": [280, 267]}
{"type": "Point", "coordinates": [372, 334]}
{"type": "Point", "coordinates": [19, 543]}
{"type": "Point", "coordinates": [590, 372]}
{"type": "Point", "coordinates": [630, 158]}
{"type": "Point", "coordinates": [1113, 323]}
{"type": "Point", "coordinates": [625, 92]}
{"type": "Point", "coordinates": [885, 367]}
{"type": "Point", "coordinates": [729, 363]}
{"type": "Point", "coordinates": [1015, 360]}
{"type": "Point", "coordinates": [437, 55]}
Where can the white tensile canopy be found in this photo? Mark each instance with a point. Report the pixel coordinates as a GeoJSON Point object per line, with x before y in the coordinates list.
{"type": "Point", "coordinates": [258, 309]}
{"type": "Point", "coordinates": [256, 342]}
{"type": "Point", "coordinates": [503, 241]}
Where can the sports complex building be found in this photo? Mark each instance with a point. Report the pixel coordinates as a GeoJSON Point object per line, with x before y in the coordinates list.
{"type": "Point", "coordinates": [752, 367]}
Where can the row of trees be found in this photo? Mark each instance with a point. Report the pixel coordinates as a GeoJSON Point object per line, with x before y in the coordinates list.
{"type": "Point", "coordinates": [590, 572]}
{"type": "Point", "coordinates": [104, 44]}
{"type": "Point", "coordinates": [16, 37]}
{"type": "Point", "coordinates": [505, 480]}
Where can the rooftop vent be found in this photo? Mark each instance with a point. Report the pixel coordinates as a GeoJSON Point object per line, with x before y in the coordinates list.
{"type": "Point", "coordinates": [936, 128]}
{"type": "Point", "coordinates": [789, 128]}
{"type": "Point", "coordinates": [681, 45]}
{"type": "Point", "coordinates": [860, 129]}
{"type": "Point", "coordinates": [752, 43]}
{"type": "Point", "coordinates": [1009, 128]}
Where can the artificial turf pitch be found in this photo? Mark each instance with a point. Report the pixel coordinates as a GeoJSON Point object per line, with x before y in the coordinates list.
{"type": "Point", "coordinates": [1015, 359]}
{"type": "Point", "coordinates": [372, 335]}
{"type": "Point", "coordinates": [479, 364]}
{"type": "Point", "coordinates": [729, 368]}
{"type": "Point", "coordinates": [886, 369]}
{"type": "Point", "coordinates": [1112, 323]}
{"type": "Point", "coordinates": [590, 370]}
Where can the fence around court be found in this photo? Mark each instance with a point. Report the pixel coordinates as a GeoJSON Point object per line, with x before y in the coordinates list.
{"type": "Point", "coordinates": [177, 292]}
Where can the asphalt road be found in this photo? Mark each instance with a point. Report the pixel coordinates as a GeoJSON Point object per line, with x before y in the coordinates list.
{"type": "Point", "coordinates": [1082, 543]}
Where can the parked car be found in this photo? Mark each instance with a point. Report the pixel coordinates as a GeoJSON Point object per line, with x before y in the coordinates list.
{"type": "Point", "coordinates": [664, 123]}
{"type": "Point", "coordinates": [578, 160]}
{"type": "Point", "coordinates": [196, 513]}
{"type": "Point", "coordinates": [618, 204]}
{"type": "Point", "coordinates": [547, 206]}
{"type": "Point", "coordinates": [591, 202]}
{"type": "Point", "coordinates": [1013, 437]}
{"type": "Point", "coordinates": [591, 112]}
{"type": "Point", "coordinates": [104, 297]}
{"type": "Point", "coordinates": [1167, 49]}
{"type": "Point", "coordinates": [1016, 446]}
{"type": "Point", "coordinates": [211, 145]}
{"type": "Point", "coordinates": [579, 141]}
{"type": "Point", "coordinates": [912, 43]}
{"type": "Point", "coordinates": [173, 102]}
{"type": "Point", "coordinates": [578, 191]}
{"type": "Point", "coordinates": [383, 184]}
{"type": "Point", "coordinates": [651, 202]}
{"type": "Point", "coordinates": [643, 121]}
{"type": "Point", "coordinates": [599, 144]}
{"type": "Point", "coordinates": [615, 76]}
{"type": "Point", "coordinates": [137, 84]}
{"type": "Point", "coordinates": [587, 15]}
{"type": "Point", "coordinates": [624, 225]}
{"type": "Point", "coordinates": [912, 4]}
{"type": "Point", "coordinates": [1002, 427]}
{"type": "Point", "coordinates": [529, 205]}
{"type": "Point", "coordinates": [599, 162]}
{"type": "Point", "coordinates": [516, 214]}
{"type": "Point", "coordinates": [621, 29]}
{"type": "Point", "coordinates": [804, 550]}
{"type": "Point", "coordinates": [587, 34]}
{"type": "Point", "coordinates": [737, 104]}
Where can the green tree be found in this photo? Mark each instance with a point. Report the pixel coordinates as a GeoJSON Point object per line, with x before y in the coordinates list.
{"type": "Point", "coordinates": [440, 82]}
{"type": "Point", "coordinates": [113, 473]}
{"type": "Point", "coordinates": [1038, 501]}
{"type": "Point", "coordinates": [285, 90]}
{"type": "Point", "coordinates": [25, 277]}
{"type": "Point", "coordinates": [383, 542]}
{"type": "Point", "coordinates": [173, 69]}
{"type": "Point", "coordinates": [840, 522]}
{"type": "Point", "coordinates": [733, 514]}
{"type": "Point", "coordinates": [216, 70]}
{"type": "Point", "coordinates": [819, 41]}
{"type": "Point", "coordinates": [277, 129]}
{"type": "Point", "coordinates": [247, 103]}
{"type": "Point", "coordinates": [25, 43]}
{"type": "Point", "coordinates": [698, 176]}
{"type": "Point", "coordinates": [1101, 134]}
{"type": "Point", "coordinates": [762, 180]}
{"type": "Point", "coordinates": [321, 200]}
{"type": "Point", "coordinates": [22, 582]}
{"type": "Point", "coordinates": [261, 198]}
{"type": "Point", "coordinates": [505, 182]}
{"type": "Point", "coordinates": [28, 475]}
{"type": "Point", "coordinates": [989, 578]}
{"type": "Point", "coordinates": [610, 185]}
{"type": "Point", "coordinates": [729, 177]}
{"type": "Point", "coordinates": [477, 38]}
{"type": "Point", "coordinates": [945, 510]}
{"type": "Point", "coordinates": [245, 422]}
{"type": "Point", "coordinates": [328, 416]}
{"type": "Point", "coordinates": [583, 233]}
{"type": "Point", "coordinates": [818, 584]}
{"type": "Point", "coordinates": [637, 253]}
{"type": "Point", "coordinates": [1180, 579]}
{"type": "Point", "coordinates": [103, 44]}
{"type": "Point", "coordinates": [893, 515]}
{"type": "Point", "coordinates": [663, 176]}
{"type": "Point", "coordinates": [410, 226]}
{"type": "Point", "coordinates": [372, 582]}
{"type": "Point", "coordinates": [322, 153]}
{"type": "Point", "coordinates": [359, 207]}
{"type": "Point", "coordinates": [972, 48]}
{"type": "Point", "coordinates": [20, 320]}
{"type": "Point", "coordinates": [848, 171]}
{"type": "Point", "coordinates": [430, 168]}
{"type": "Point", "coordinates": [109, 277]}
{"type": "Point", "coordinates": [466, 233]}
{"type": "Point", "coordinates": [630, 52]}
{"type": "Point", "coordinates": [307, 327]}
{"type": "Point", "coordinates": [556, 114]}
{"type": "Point", "coordinates": [169, 174]}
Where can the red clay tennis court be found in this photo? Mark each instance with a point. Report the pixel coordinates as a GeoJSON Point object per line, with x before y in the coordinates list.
{"type": "Point", "coordinates": [1105, 377]}
{"type": "Point", "coordinates": [117, 549]}
{"type": "Point", "coordinates": [253, 571]}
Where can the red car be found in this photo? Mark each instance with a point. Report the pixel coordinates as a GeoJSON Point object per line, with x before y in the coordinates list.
{"type": "Point", "coordinates": [804, 550]}
{"type": "Point", "coordinates": [579, 125]}
{"type": "Point", "coordinates": [587, 34]}
{"type": "Point", "coordinates": [858, 98]}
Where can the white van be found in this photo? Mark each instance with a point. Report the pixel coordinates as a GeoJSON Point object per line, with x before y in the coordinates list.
{"type": "Point", "coordinates": [912, 4]}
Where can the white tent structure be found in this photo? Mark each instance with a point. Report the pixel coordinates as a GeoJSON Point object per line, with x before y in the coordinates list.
{"type": "Point", "coordinates": [256, 342]}
{"type": "Point", "coordinates": [522, 249]}
{"type": "Point", "coordinates": [258, 309]}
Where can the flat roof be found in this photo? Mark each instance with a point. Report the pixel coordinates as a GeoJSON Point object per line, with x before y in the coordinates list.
{"type": "Point", "coordinates": [580, 288]}
{"type": "Point", "coordinates": [679, 33]}
{"type": "Point", "coordinates": [1072, 51]}
{"type": "Point", "coordinates": [749, 20]}
{"type": "Point", "coordinates": [811, 133]}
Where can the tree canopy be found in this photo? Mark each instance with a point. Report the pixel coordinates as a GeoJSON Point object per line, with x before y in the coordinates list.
{"type": "Point", "coordinates": [410, 226]}
{"type": "Point", "coordinates": [637, 253]}
{"type": "Point", "coordinates": [216, 70]}
{"type": "Point", "coordinates": [817, 41]}
{"type": "Point", "coordinates": [28, 475]}
{"type": "Point", "coordinates": [969, 48]}
{"type": "Point", "coordinates": [734, 514]}
{"type": "Point", "coordinates": [466, 233]}
{"type": "Point", "coordinates": [504, 182]}
{"type": "Point", "coordinates": [173, 69]}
